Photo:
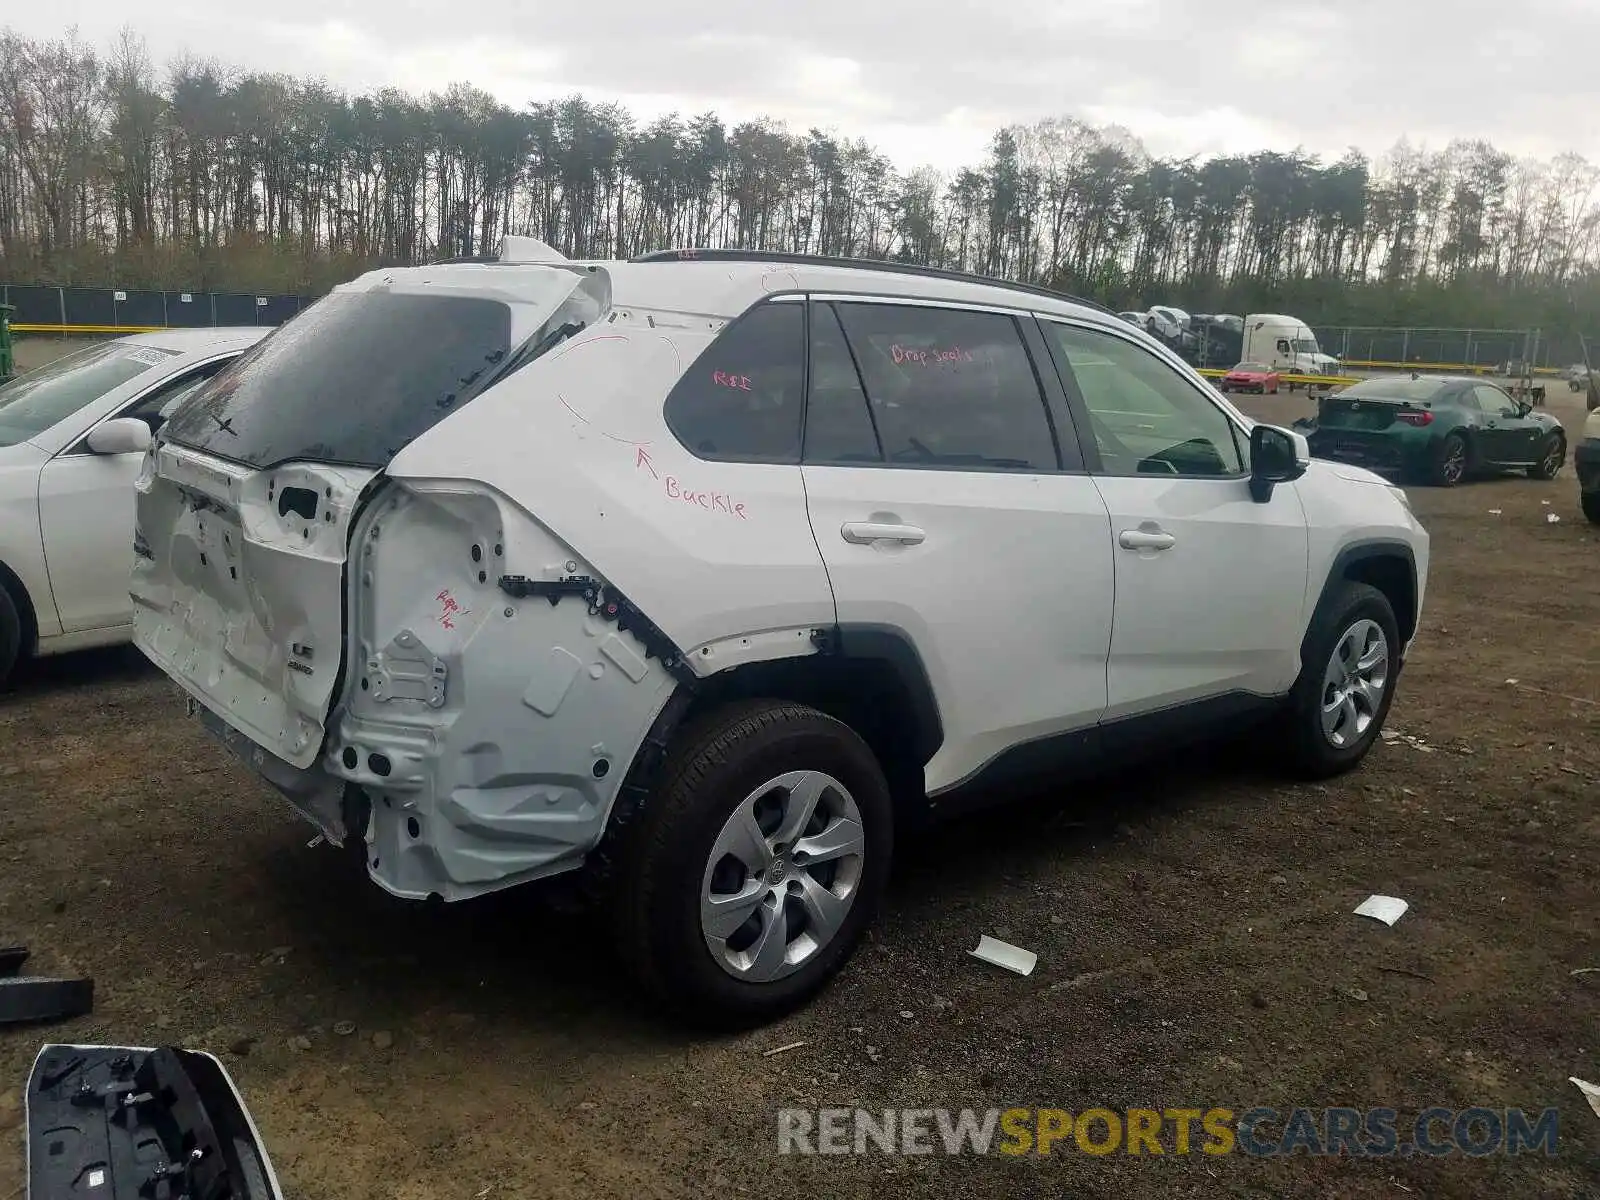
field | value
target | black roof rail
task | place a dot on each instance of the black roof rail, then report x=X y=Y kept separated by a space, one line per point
x=861 y=264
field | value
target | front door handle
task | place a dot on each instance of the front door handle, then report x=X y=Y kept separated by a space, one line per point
x=864 y=533
x=1145 y=539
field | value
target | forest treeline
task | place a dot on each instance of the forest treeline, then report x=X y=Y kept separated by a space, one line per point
x=115 y=171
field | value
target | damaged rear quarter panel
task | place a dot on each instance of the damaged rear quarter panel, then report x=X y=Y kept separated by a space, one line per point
x=709 y=551
x=490 y=733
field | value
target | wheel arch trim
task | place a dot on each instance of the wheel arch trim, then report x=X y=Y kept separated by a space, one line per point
x=1376 y=550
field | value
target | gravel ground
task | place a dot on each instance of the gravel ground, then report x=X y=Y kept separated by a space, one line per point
x=1193 y=926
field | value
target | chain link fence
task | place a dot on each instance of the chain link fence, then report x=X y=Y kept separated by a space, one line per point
x=1477 y=350
x=63 y=310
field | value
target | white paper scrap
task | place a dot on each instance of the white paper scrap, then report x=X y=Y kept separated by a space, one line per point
x=1002 y=954
x=1590 y=1093
x=1387 y=909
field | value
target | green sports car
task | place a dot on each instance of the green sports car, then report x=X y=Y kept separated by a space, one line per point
x=1436 y=428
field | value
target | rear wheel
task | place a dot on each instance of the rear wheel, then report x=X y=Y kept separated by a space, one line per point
x=1349 y=660
x=1449 y=461
x=1552 y=458
x=748 y=878
x=1591 y=505
x=10 y=635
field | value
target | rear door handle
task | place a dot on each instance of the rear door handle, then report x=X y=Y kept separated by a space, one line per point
x=864 y=533
x=1145 y=539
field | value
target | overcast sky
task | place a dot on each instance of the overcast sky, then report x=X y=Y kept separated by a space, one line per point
x=929 y=81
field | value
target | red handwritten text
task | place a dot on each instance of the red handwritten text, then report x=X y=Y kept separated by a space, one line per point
x=710 y=501
x=723 y=379
x=913 y=354
x=449 y=609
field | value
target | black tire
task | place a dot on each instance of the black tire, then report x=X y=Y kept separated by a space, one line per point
x=1552 y=458
x=1591 y=505
x=1452 y=459
x=10 y=635
x=1309 y=752
x=713 y=765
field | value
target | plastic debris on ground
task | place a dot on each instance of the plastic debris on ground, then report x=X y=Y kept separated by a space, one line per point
x=1387 y=909
x=1003 y=954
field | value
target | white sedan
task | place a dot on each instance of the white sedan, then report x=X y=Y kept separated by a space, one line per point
x=72 y=439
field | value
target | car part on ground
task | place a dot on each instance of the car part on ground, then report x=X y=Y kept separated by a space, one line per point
x=12 y=958
x=121 y=1121
x=1442 y=430
x=640 y=574
x=29 y=999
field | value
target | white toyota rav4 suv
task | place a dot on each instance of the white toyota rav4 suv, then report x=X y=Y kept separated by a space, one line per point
x=701 y=575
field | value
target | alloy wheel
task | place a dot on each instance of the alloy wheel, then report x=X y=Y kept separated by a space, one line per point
x=1552 y=460
x=1354 y=682
x=1455 y=462
x=782 y=876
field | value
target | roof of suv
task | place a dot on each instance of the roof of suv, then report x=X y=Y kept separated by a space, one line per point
x=721 y=284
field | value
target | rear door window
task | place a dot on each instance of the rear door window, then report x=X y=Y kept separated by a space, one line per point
x=950 y=387
x=838 y=424
x=741 y=400
x=351 y=380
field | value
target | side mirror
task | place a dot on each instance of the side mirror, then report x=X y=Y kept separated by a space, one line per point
x=122 y=435
x=1276 y=456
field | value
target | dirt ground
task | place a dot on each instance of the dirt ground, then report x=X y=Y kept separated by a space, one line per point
x=1194 y=931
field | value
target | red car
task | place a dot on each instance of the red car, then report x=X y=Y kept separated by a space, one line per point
x=1251 y=377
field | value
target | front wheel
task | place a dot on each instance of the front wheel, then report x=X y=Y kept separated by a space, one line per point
x=10 y=635
x=749 y=877
x=1551 y=460
x=1348 y=663
x=1449 y=461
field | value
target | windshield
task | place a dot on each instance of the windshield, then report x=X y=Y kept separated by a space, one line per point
x=350 y=380
x=34 y=402
x=1254 y=367
x=1306 y=346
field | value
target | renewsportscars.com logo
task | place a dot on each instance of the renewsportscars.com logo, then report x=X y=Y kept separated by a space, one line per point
x=1257 y=1132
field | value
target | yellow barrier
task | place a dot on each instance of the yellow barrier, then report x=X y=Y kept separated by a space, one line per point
x=115 y=330
x=1284 y=377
